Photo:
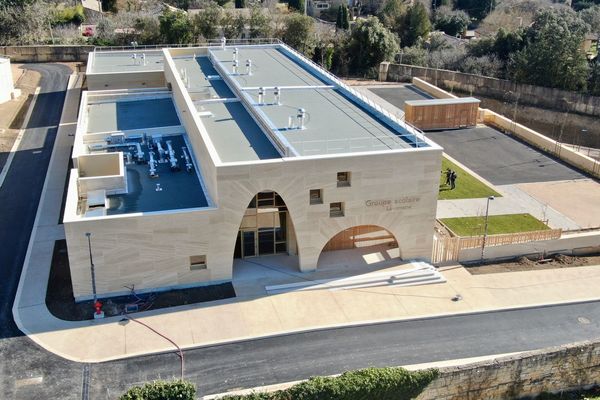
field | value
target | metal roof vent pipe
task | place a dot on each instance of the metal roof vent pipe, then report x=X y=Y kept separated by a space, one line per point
x=291 y=121
x=277 y=95
x=261 y=95
x=223 y=42
x=235 y=54
x=301 y=117
x=235 y=67
x=249 y=67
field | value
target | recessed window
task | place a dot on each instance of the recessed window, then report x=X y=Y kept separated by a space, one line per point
x=197 y=262
x=343 y=179
x=336 y=209
x=316 y=196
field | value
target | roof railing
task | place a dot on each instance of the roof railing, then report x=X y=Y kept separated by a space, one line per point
x=209 y=43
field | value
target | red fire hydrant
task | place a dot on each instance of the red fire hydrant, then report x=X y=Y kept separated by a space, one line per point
x=98 y=307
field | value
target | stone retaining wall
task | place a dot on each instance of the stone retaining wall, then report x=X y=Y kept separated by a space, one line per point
x=26 y=54
x=499 y=89
x=553 y=369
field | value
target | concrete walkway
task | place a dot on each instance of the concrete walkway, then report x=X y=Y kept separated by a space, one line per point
x=513 y=201
x=254 y=314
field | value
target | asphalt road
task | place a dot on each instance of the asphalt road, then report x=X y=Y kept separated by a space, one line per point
x=29 y=372
x=397 y=95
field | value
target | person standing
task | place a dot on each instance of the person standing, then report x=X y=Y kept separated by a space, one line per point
x=453 y=180
x=448 y=174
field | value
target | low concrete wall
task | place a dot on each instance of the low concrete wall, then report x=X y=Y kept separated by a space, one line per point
x=538 y=96
x=554 y=369
x=25 y=54
x=573 y=244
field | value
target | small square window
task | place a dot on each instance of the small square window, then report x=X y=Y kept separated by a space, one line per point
x=197 y=262
x=316 y=196
x=336 y=209
x=343 y=179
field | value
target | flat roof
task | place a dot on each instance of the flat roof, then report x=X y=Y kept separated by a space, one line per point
x=124 y=61
x=337 y=120
x=121 y=114
x=232 y=130
x=178 y=190
x=432 y=102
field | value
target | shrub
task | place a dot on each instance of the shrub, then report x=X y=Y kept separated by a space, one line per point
x=162 y=390
x=370 y=383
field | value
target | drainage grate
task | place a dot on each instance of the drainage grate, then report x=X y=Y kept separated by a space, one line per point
x=85 y=383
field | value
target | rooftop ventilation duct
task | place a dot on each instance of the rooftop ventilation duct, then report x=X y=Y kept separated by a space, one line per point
x=261 y=95
x=277 y=95
x=249 y=67
x=235 y=54
x=223 y=42
x=301 y=117
x=235 y=67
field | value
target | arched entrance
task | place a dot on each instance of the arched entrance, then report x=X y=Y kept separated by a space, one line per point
x=361 y=236
x=266 y=228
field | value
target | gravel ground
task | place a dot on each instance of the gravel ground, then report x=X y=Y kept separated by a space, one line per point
x=526 y=264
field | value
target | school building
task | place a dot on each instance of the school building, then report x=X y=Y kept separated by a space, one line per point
x=186 y=159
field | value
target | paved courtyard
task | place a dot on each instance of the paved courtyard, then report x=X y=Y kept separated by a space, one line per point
x=500 y=158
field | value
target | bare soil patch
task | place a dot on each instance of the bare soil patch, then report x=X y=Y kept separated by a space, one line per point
x=528 y=264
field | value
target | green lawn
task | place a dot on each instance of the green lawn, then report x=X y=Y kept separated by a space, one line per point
x=497 y=224
x=467 y=186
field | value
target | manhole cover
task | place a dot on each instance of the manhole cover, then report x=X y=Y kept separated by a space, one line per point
x=583 y=320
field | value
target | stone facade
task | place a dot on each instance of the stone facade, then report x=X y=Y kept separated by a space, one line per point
x=395 y=190
x=555 y=369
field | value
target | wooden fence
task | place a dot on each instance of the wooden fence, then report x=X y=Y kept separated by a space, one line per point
x=447 y=248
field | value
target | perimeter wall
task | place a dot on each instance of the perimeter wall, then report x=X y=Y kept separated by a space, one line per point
x=552 y=369
x=25 y=54
x=538 y=96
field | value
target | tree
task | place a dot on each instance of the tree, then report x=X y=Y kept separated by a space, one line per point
x=579 y=5
x=240 y=3
x=370 y=44
x=391 y=13
x=594 y=81
x=592 y=17
x=206 y=22
x=416 y=24
x=175 y=27
x=148 y=30
x=27 y=23
x=297 y=5
x=232 y=25
x=299 y=33
x=552 y=55
x=340 y=15
x=508 y=42
x=260 y=23
x=345 y=17
x=477 y=9
x=109 y=5
x=452 y=22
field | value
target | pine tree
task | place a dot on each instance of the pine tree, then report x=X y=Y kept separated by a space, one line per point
x=345 y=20
x=340 y=15
x=240 y=3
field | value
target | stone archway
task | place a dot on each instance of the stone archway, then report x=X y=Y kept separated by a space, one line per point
x=266 y=228
x=361 y=246
x=361 y=236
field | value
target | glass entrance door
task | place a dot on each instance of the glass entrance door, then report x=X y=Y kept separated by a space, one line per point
x=248 y=243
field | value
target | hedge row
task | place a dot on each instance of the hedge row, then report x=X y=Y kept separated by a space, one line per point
x=364 y=384
x=162 y=390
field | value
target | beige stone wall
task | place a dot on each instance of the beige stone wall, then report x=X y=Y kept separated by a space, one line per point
x=396 y=177
x=147 y=251
x=554 y=369
x=126 y=80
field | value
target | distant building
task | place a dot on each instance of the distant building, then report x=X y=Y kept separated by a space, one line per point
x=7 y=88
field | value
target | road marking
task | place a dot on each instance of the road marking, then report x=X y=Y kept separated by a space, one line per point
x=17 y=142
x=37 y=380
